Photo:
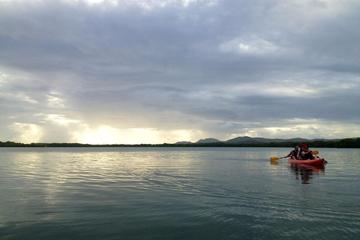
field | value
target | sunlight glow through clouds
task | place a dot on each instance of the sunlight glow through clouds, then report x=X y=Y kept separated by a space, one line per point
x=100 y=135
x=27 y=132
x=109 y=135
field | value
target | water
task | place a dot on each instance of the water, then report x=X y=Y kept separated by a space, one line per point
x=176 y=193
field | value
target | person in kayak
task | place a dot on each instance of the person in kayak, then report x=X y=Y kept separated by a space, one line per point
x=294 y=154
x=305 y=152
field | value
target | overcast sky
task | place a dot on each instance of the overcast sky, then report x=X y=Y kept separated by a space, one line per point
x=152 y=71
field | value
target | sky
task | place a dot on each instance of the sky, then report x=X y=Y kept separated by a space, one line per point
x=151 y=71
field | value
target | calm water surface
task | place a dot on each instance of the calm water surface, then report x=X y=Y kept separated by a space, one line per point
x=176 y=193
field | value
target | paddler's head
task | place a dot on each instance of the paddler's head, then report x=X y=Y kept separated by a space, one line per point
x=304 y=146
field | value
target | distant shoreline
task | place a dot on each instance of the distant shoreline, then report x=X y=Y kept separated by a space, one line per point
x=341 y=143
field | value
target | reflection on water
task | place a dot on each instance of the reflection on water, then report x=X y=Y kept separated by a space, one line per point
x=306 y=173
x=302 y=172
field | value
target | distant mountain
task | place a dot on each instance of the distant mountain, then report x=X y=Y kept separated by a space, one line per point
x=296 y=140
x=246 y=139
x=277 y=142
x=208 y=140
x=250 y=140
x=184 y=142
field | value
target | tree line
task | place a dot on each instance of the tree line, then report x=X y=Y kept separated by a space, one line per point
x=341 y=143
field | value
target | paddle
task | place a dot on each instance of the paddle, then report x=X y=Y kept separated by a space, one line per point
x=276 y=158
x=314 y=152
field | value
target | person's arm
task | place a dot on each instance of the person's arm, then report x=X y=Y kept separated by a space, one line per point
x=290 y=154
x=299 y=154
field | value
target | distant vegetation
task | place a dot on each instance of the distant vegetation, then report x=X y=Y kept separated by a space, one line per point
x=236 y=142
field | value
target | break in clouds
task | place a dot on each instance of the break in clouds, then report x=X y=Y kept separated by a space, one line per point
x=163 y=71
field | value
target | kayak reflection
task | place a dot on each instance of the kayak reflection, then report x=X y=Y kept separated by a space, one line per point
x=306 y=172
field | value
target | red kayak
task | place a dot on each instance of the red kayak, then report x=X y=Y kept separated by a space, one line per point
x=312 y=162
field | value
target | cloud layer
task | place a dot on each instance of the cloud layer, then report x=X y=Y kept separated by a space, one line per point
x=161 y=71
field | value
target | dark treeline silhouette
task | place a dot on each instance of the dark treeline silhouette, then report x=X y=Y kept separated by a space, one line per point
x=341 y=143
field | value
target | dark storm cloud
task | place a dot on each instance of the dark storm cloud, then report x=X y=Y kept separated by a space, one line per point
x=217 y=66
